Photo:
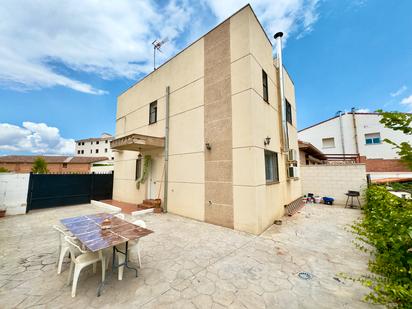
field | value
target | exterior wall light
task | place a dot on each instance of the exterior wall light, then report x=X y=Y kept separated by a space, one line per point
x=208 y=146
x=266 y=141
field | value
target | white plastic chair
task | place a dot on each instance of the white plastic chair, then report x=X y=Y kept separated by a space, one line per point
x=63 y=246
x=80 y=259
x=132 y=244
x=120 y=216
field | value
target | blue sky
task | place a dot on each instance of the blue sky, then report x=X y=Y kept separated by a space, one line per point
x=59 y=79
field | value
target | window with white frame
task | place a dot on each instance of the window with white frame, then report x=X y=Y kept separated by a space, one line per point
x=372 y=138
x=328 y=142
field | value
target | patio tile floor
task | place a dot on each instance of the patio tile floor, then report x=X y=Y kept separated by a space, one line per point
x=191 y=264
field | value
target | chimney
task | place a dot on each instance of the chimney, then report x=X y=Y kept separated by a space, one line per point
x=278 y=37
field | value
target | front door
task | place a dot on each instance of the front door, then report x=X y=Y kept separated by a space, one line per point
x=152 y=180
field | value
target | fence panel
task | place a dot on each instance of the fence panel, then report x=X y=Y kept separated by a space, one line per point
x=51 y=190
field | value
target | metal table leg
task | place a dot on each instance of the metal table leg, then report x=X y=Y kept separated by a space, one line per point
x=114 y=266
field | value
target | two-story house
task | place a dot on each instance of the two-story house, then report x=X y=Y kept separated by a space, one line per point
x=216 y=130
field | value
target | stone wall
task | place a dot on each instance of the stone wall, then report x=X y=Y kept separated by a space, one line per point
x=218 y=127
x=333 y=180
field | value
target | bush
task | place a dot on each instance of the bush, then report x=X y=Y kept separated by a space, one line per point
x=3 y=170
x=387 y=228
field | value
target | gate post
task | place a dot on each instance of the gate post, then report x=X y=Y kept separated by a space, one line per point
x=29 y=192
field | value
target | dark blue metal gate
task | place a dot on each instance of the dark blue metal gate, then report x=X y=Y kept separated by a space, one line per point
x=51 y=190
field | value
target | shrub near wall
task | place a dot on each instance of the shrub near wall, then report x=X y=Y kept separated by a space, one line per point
x=387 y=227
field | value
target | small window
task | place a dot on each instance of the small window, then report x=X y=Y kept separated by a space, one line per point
x=91 y=151
x=265 y=86
x=106 y=141
x=82 y=143
x=78 y=144
x=138 y=168
x=271 y=166
x=91 y=142
x=153 y=112
x=78 y=151
x=97 y=150
x=372 y=138
x=112 y=158
x=64 y=165
x=328 y=142
x=288 y=112
x=82 y=151
x=105 y=150
x=97 y=142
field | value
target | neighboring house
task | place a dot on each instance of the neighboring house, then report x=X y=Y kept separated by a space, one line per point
x=214 y=112
x=310 y=155
x=97 y=147
x=55 y=164
x=359 y=137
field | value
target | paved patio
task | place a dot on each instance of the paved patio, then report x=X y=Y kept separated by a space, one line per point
x=190 y=264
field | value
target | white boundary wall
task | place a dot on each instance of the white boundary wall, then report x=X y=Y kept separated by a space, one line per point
x=13 y=192
x=333 y=180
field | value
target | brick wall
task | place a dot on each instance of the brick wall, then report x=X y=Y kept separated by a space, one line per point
x=384 y=165
x=333 y=180
x=52 y=167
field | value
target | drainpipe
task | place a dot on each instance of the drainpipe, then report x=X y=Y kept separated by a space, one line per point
x=355 y=129
x=278 y=38
x=166 y=149
x=341 y=134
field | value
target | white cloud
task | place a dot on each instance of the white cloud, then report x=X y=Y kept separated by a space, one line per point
x=47 y=43
x=399 y=91
x=292 y=17
x=33 y=137
x=108 y=38
x=408 y=102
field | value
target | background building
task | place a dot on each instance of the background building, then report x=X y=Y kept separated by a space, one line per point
x=359 y=136
x=97 y=147
x=219 y=98
x=310 y=155
x=55 y=164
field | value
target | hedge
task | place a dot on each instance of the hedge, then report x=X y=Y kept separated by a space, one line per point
x=386 y=228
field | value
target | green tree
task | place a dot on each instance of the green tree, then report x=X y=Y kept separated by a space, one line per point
x=39 y=166
x=399 y=122
x=3 y=170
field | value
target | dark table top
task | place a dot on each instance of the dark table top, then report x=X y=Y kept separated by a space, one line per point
x=88 y=230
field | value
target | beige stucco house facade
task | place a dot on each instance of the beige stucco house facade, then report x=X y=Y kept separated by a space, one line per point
x=222 y=110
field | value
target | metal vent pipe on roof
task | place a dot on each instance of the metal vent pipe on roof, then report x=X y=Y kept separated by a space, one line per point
x=278 y=37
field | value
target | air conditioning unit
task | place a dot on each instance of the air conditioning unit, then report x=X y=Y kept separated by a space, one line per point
x=292 y=155
x=293 y=172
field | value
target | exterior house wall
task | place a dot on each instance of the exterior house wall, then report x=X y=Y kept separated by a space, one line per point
x=184 y=74
x=13 y=192
x=217 y=98
x=365 y=124
x=257 y=204
x=333 y=180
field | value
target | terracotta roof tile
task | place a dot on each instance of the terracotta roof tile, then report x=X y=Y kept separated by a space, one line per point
x=50 y=159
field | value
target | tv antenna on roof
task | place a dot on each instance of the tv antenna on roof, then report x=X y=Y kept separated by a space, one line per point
x=156 y=46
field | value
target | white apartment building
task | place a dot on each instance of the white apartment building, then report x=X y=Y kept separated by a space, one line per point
x=354 y=134
x=95 y=147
